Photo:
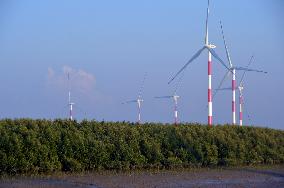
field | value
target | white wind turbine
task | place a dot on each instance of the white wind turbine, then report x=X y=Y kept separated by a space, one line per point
x=139 y=100
x=175 y=98
x=210 y=48
x=241 y=97
x=232 y=72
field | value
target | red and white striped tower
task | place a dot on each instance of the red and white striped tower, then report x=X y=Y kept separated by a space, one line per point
x=175 y=97
x=209 y=89
x=70 y=111
x=241 y=105
x=209 y=73
x=234 y=96
x=70 y=105
x=211 y=46
x=71 y=117
x=69 y=100
x=139 y=109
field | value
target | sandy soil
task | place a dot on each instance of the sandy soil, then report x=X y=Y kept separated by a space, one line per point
x=260 y=177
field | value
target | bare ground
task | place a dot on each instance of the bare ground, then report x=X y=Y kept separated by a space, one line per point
x=259 y=177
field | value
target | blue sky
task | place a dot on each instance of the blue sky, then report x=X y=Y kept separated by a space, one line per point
x=109 y=45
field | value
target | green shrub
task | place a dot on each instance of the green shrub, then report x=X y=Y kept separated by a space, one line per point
x=36 y=146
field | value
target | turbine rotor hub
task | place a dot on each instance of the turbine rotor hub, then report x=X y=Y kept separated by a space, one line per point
x=211 y=46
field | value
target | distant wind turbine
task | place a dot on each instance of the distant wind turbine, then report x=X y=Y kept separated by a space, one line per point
x=241 y=98
x=139 y=100
x=175 y=98
x=210 y=48
x=232 y=71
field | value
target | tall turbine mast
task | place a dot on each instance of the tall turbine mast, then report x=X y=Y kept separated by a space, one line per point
x=211 y=46
x=211 y=52
x=70 y=104
x=241 y=104
x=233 y=69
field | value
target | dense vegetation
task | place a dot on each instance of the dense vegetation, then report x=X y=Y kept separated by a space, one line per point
x=34 y=146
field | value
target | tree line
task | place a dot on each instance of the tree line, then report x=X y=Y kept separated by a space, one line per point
x=39 y=146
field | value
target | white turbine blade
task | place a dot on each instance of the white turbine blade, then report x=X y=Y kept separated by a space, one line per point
x=162 y=97
x=218 y=58
x=220 y=84
x=193 y=57
x=142 y=85
x=225 y=88
x=69 y=87
x=178 y=83
x=206 y=34
x=252 y=70
x=227 y=51
x=132 y=101
x=242 y=78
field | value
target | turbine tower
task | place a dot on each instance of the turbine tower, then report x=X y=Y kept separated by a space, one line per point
x=70 y=104
x=241 y=104
x=211 y=52
x=232 y=71
x=139 y=100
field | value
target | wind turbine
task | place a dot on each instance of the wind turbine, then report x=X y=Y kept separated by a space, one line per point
x=241 y=98
x=232 y=71
x=175 y=97
x=210 y=48
x=139 y=100
x=70 y=104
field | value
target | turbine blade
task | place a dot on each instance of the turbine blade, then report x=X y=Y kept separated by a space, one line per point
x=244 y=73
x=193 y=57
x=142 y=85
x=207 y=17
x=178 y=83
x=218 y=58
x=225 y=88
x=247 y=69
x=220 y=84
x=132 y=101
x=226 y=48
x=162 y=97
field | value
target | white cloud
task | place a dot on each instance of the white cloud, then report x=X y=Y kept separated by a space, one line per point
x=80 y=80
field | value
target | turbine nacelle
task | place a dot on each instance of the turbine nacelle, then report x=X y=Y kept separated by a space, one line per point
x=211 y=46
x=241 y=88
x=140 y=100
x=175 y=97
